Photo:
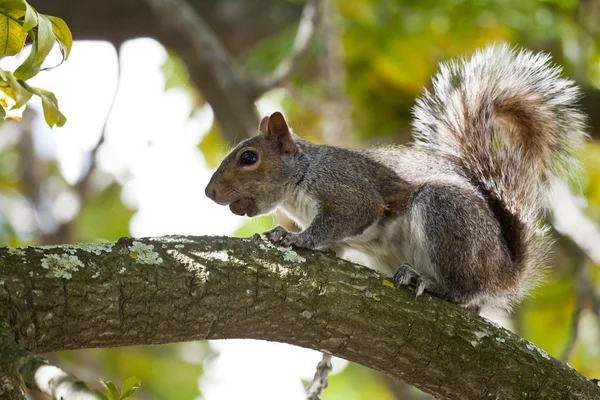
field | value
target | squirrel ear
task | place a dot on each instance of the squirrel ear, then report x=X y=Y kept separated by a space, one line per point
x=263 y=127
x=279 y=130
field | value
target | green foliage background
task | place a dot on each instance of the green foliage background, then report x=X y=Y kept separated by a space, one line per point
x=391 y=49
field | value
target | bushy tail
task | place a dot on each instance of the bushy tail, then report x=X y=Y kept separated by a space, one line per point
x=512 y=123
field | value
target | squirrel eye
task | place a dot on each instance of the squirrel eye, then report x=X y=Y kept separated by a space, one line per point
x=248 y=158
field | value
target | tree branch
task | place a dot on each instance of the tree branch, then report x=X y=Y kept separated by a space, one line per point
x=571 y=221
x=181 y=16
x=173 y=289
x=199 y=46
x=319 y=382
x=20 y=365
x=237 y=115
x=309 y=22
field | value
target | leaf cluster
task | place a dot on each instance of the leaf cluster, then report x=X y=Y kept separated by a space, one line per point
x=19 y=21
x=130 y=386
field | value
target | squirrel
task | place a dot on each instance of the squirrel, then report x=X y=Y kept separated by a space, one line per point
x=458 y=212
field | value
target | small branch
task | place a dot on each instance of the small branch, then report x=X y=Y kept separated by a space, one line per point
x=19 y=365
x=207 y=46
x=319 y=382
x=569 y=220
x=309 y=23
x=212 y=67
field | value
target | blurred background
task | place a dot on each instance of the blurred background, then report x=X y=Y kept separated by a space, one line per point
x=154 y=101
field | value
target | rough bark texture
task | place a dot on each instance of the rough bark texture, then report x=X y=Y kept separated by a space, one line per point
x=174 y=289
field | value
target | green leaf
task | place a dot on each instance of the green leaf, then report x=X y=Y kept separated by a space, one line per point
x=12 y=34
x=22 y=95
x=41 y=47
x=63 y=35
x=130 y=386
x=14 y=90
x=27 y=69
x=2 y=112
x=45 y=39
x=31 y=18
x=52 y=114
x=17 y=92
x=100 y=394
x=111 y=389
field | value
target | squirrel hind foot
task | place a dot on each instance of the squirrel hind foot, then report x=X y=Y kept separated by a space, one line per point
x=407 y=275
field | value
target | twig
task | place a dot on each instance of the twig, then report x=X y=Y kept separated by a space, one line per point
x=319 y=382
x=309 y=22
x=569 y=220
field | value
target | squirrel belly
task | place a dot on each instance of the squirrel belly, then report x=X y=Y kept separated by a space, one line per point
x=458 y=213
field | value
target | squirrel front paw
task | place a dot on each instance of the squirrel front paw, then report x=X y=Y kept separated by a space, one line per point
x=280 y=236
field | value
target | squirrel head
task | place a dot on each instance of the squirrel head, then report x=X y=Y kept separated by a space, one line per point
x=253 y=177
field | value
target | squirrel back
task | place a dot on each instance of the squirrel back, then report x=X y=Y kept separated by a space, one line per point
x=513 y=124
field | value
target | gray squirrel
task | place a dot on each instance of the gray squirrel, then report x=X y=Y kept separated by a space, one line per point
x=458 y=212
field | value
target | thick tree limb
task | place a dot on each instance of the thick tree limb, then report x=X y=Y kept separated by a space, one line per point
x=174 y=289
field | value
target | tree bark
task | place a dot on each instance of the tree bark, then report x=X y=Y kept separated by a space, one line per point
x=172 y=289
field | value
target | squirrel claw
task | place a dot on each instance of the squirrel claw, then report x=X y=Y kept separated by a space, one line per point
x=405 y=275
x=276 y=234
x=279 y=235
x=423 y=283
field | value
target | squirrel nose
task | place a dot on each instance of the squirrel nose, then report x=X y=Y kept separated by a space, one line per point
x=211 y=192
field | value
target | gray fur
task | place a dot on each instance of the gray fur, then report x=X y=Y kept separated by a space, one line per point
x=458 y=212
